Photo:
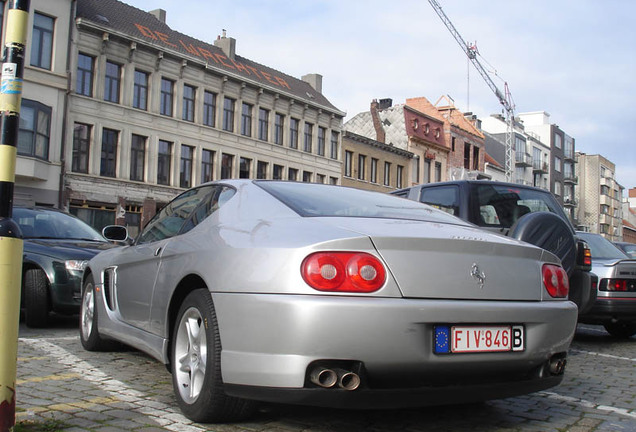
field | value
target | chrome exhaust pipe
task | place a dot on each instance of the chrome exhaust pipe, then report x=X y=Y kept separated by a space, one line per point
x=347 y=380
x=323 y=377
x=557 y=366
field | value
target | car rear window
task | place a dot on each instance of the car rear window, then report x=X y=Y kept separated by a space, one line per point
x=501 y=206
x=602 y=248
x=319 y=200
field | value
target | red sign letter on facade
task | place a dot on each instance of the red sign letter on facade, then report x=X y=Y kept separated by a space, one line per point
x=145 y=31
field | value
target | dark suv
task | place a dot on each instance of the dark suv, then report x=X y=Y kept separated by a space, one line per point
x=526 y=213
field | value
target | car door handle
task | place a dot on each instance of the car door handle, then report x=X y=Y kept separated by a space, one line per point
x=158 y=251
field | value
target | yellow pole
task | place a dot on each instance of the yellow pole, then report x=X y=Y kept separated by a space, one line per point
x=11 y=245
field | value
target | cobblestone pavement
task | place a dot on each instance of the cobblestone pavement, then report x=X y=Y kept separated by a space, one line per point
x=129 y=391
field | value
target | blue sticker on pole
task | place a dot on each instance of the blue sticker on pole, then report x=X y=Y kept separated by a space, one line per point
x=11 y=86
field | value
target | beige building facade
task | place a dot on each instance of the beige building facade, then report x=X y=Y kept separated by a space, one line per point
x=599 y=197
x=372 y=165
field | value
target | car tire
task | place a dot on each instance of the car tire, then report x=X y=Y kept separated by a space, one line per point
x=36 y=298
x=549 y=232
x=196 y=364
x=621 y=329
x=88 y=325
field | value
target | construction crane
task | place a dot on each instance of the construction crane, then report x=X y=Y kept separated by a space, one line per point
x=505 y=97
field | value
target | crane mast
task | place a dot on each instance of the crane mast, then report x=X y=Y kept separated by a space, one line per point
x=504 y=98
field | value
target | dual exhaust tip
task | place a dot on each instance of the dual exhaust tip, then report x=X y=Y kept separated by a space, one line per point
x=557 y=366
x=328 y=378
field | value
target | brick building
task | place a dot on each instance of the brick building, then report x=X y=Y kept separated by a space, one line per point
x=406 y=128
x=465 y=142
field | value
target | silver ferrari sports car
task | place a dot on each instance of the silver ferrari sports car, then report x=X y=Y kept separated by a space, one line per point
x=325 y=295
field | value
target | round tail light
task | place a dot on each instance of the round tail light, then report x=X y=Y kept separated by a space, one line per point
x=556 y=281
x=343 y=272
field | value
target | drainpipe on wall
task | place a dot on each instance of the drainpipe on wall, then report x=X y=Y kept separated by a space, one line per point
x=61 y=199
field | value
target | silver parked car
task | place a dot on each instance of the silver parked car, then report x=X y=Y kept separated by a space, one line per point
x=615 y=304
x=331 y=296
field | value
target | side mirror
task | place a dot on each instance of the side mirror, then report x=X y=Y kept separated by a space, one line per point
x=116 y=233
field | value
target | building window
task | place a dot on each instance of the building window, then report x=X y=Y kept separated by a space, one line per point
x=246 y=120
x=263 y=124
x=415 y=169
x=84 y=84
x=362 y=166
x=108 y=167
x=140 y=90
x=228 y=114
x=348 y=163
x=292 y=174
x=374 y=170
x=605 y=190
x=557 y=164
x=112 y=82
x=320 y=178
x=333 y=180
x=81 y=147
x=467 y=155
x=164 y=162
x=334 y=145
x=35 y=129
x=244 y=168
x=557 y=141
x=309 y=132
x=438 y=171
x=167 y=94
x=42 y=41
x=209 y=108
x=321 y=141
x=557 y=188
x=400 y=169
x=476 y=158
x=137 y=157
x=261 y=170
x=188 y=103
x=307 y=176
x=279 y=121
x=387 y=173
x=207 y=166
x=227 y=161
x=293 y=133
x=277 y=172
x=185 y=176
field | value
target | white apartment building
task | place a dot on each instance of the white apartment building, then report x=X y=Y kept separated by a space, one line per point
x=121 y=113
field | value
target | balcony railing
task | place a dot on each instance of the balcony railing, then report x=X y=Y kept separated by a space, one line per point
x=523 y=182
x=569 y=201
x=569 y=154
x=539 y=167
x=570 y=178
x=523 y=159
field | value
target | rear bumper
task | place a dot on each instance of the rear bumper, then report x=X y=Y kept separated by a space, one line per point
x=270 y=341
x=394 y=398
x=607 y=309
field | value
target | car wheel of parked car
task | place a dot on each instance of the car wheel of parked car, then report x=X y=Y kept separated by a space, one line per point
x=621 y=329
x=549 y=232
x=36 y=298
x=89 y=332
x=196 y=364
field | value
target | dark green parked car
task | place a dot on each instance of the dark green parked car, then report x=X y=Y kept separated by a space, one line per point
x=57 y=247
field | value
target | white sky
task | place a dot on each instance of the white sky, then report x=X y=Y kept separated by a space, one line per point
x=574 y=59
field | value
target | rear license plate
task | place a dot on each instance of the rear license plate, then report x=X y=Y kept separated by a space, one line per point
x=475 y=339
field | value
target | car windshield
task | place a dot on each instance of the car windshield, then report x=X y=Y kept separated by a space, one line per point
x=602 y=248
x=316 y=200
x=502 y=206
x=50 y=224
x=629 y=249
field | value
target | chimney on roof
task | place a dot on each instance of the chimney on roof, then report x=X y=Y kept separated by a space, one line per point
x=380 y=135
x=386 y=103
x=160 y=14
x=314 y=80
x=227 y=44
